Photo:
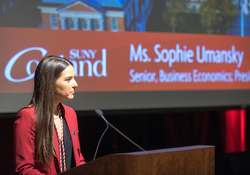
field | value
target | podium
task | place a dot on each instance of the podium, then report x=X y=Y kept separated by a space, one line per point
x=190 y=160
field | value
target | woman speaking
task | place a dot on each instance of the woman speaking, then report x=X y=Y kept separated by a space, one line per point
x=46 y=137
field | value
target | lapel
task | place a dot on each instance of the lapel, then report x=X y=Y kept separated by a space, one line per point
x=56 y=146
x=69 y=121
x=73 y=129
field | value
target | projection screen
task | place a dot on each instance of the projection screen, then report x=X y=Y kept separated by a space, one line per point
x=121 y=61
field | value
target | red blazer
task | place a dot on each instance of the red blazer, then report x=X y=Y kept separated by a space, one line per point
x=24 y=145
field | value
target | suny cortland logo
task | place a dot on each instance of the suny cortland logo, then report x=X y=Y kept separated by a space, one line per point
x=92 y=66
x=8 y=68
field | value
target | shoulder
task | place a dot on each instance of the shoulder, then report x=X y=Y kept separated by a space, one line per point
x=24 y=125
x=27 y=112
x=25 y=116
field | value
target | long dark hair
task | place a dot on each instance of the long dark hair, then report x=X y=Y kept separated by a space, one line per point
x=47 y=72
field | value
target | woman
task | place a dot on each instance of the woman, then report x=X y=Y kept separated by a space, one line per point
x=46 y=137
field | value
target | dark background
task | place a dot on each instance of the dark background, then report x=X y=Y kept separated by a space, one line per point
x=151 y=129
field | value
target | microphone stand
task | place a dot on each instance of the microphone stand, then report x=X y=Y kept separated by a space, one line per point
x=100 y=113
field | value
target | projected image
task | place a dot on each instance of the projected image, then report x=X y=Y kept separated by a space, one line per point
x=132 y=46
x=230 y=17
x=98 y=15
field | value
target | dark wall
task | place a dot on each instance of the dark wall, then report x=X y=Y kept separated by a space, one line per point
x=6 y=146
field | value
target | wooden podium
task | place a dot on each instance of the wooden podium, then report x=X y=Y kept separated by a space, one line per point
x=190 y=160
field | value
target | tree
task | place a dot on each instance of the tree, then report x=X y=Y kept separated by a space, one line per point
x=217 y=15
x=170 y=14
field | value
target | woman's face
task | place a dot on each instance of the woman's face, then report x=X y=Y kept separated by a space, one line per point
x=65 y=85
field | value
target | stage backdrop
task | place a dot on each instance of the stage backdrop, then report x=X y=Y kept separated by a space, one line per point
x=120 y=62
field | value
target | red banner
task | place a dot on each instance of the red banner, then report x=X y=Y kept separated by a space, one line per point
x=127 y=61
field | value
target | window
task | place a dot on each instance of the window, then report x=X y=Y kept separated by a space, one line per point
x=54 y=21
x=113 y=24
x=96 y=24
x=71 y=23
x=84 y=24
x=195 y=8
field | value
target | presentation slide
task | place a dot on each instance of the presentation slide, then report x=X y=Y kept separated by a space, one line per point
x=123 y=58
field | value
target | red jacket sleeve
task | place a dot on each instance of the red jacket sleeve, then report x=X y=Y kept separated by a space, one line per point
x=24 y=143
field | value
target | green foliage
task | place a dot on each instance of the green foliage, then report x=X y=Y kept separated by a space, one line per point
x=217 y=15
x=170 y=14
x=214 y=17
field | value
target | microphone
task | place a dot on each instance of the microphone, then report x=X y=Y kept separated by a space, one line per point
x=100 y=113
